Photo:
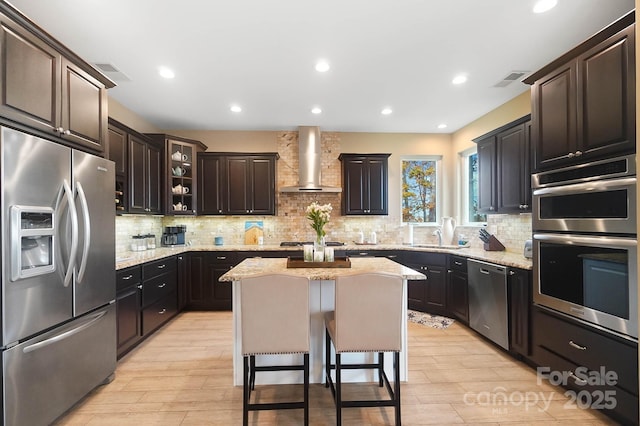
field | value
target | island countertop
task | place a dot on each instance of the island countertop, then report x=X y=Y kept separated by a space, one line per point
x=259 y=265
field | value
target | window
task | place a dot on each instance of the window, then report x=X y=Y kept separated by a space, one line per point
x=420 y=189
x=470 y=188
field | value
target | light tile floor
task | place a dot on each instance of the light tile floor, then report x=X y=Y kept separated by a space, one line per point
x=182 y=375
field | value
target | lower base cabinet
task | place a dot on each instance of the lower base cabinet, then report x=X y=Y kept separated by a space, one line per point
x=458 y=288
x=428 y=295
x=599 y=369
x=205 y=292
x=146 y=298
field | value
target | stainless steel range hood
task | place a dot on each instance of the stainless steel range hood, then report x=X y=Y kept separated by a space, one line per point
x=310 y=168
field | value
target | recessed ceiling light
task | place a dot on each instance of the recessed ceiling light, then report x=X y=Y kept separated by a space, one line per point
x=322 y=66
x=459 y=79
x=386 y=111
x=235 y=108
x=442 y=126
x=316 y=110
x=543 y=5
x=166 y=72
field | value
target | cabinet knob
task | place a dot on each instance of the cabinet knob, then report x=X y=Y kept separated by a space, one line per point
x=525 y=206
x=220 y=211
x=512 y=273
x=139 y=286
x=571 y=155
x=162 y=311
x=578 y=153
x=67 y=132
x=58 y=129
x=491 y=208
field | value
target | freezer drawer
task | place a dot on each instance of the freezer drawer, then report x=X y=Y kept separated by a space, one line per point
x=43 y=377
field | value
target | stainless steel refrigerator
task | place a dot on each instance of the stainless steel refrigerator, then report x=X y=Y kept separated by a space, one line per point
x=58 y=276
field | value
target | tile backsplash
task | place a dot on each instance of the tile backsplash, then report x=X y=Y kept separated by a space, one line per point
x=290 y=223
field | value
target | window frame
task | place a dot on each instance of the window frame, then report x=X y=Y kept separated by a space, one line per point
x=438 y=175
x=465 y=189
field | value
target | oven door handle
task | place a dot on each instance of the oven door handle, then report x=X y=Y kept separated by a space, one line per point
x=597 y=185
x=598 y=241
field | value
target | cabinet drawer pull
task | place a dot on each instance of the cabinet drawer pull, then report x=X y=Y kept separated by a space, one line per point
x=455 y=262
x=221 y=257
x=128 y=277
x=577 y=379
x=162 y=266
x=162 y=285
x=392 y=256
x=162 y=311
x=575 y=345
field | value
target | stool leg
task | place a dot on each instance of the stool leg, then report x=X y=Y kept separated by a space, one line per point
x=327 y=357
x=306 y=389
x=338 y=390
x=245 y=391
x=396 y=384
x=380 y=368
x=252 y=370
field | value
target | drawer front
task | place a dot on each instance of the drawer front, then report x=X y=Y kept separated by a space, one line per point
x=458 y=263
x=159 y=313
x=626 y=404
x=158 y=267
x=158 y=287
x=128 y=277
x=587 y=348
x=425 y=258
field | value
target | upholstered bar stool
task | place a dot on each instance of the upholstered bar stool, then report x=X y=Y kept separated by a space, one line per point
x=274 y=320
x=367 y=318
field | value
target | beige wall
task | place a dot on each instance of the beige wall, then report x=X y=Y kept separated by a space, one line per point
x=129 y=118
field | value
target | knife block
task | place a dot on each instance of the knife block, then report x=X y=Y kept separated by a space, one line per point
x=493 y=245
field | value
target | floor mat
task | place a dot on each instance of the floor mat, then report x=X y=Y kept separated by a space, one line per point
x=434 y=321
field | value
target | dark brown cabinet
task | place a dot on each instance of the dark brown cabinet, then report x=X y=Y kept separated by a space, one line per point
x=458 y=288
x=561 y=346
x=428 y=295
x=128 y=308
x=364 y=184
x=159 y=293
x=519 y=287
x=583 y=104
x=138 y=170
x=145 y=176
x=238 y=184
x=504 y=169
x=180 y=189
x=41 y=88
x=205 y=291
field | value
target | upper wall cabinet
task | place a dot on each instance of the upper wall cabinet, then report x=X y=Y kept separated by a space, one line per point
x=139 y=172
x=583 y=104
x=504 y=168
x=180 y=188
x=48 y=88
x=237 y=183
x=365 y=184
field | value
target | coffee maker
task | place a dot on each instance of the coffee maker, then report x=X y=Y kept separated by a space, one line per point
x=174 y=235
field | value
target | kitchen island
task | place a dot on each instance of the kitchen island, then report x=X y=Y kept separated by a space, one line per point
x=321 y=300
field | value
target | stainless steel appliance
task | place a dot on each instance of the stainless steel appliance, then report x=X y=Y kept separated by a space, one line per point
x=174 y=235
x=585 y=243
x=58 y=276
x=488 y=309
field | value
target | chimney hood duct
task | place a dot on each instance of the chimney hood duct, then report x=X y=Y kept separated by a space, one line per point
x=310 y=163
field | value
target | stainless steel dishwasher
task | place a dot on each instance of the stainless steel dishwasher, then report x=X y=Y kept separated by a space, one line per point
x=488 y=312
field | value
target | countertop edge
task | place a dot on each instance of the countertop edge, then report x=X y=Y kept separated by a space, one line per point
x=510 y=259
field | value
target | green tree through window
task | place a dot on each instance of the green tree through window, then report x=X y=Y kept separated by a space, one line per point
x=419 y=191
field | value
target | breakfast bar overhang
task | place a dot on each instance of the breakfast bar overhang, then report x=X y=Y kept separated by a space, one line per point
x=321 y=300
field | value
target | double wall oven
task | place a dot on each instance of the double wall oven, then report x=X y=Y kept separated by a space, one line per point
x=585 y=243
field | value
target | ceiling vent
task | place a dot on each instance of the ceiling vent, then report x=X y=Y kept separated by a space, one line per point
x=112 y=72
x=513 y=76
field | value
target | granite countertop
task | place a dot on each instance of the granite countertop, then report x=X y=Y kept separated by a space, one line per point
x=261 y=265
x=516 y=260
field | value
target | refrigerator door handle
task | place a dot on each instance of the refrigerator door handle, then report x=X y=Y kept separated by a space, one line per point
x=64 y=335
x=73 y=214
x=87 y=231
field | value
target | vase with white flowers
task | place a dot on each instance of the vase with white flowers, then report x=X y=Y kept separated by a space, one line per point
x=319 y=216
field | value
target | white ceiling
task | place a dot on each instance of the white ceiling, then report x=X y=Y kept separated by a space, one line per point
x=261 y=54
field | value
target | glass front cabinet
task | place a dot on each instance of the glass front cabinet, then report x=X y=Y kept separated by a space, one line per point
x=181 y=184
